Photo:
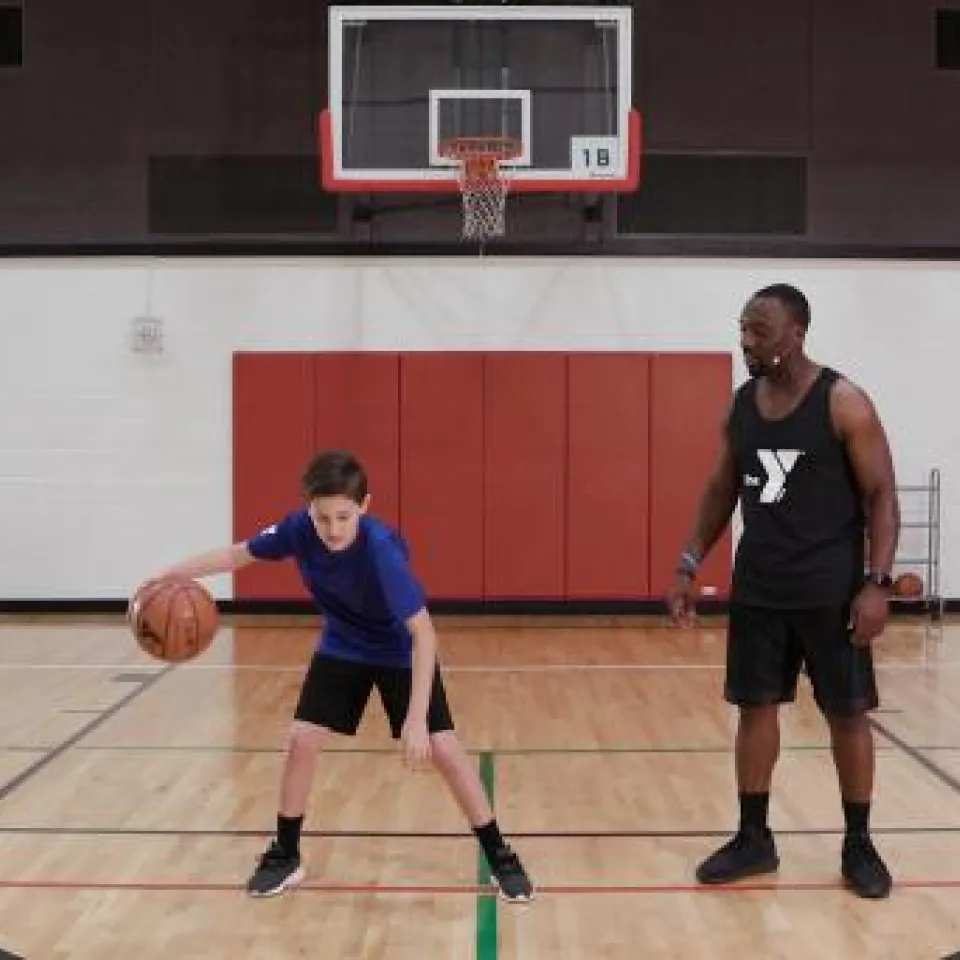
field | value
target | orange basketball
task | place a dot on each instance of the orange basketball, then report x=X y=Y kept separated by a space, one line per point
x=173 y=619
x=908 y=585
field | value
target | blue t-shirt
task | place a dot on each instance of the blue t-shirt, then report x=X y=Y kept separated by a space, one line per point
x=366 y=592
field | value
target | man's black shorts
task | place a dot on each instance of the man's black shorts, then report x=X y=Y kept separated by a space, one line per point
x=335 y=694
x=767 y=648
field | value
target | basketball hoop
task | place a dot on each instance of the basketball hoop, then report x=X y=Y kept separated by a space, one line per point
x=482 y=183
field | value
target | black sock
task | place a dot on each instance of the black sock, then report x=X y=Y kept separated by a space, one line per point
x=857 y=816
x=288 y=834
x=490 y=839
x=753 y=810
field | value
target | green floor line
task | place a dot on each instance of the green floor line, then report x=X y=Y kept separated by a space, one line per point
x=487 y=900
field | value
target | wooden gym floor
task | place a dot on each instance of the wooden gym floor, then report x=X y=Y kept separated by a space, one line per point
x=136 y=798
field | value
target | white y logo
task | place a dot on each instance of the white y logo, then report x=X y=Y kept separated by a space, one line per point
x=777 y=464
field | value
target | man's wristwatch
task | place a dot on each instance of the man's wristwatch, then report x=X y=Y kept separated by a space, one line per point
x=687 y=565
x=882 y=580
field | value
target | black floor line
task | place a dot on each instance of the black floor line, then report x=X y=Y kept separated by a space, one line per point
x=915 y=754
x=54 y=752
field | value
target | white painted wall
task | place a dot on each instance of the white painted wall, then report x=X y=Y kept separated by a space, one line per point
x=114 y=463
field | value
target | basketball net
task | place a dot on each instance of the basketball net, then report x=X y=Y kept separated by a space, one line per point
x=483 y=186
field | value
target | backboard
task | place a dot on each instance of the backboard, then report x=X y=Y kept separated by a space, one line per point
x=406 y=79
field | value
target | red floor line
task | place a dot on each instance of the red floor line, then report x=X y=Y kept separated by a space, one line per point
x=466 y=890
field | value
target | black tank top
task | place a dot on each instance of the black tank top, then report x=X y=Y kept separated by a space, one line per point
x=803 y=523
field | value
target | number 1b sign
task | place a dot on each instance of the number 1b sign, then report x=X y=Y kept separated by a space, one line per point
x=595 y=156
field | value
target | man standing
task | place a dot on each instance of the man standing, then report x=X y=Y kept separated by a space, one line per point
x=805 y=454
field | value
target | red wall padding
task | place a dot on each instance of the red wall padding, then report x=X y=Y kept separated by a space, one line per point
x=689 y=399
x=512 y=475
x=357 y=407
x=607 y=475
x=273 y=437
x=525 y=475
x=441 y=470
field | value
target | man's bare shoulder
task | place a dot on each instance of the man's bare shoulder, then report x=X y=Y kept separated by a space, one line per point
x=851 y=406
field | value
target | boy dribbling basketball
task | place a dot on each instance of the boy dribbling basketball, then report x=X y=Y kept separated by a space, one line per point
x=377 y=633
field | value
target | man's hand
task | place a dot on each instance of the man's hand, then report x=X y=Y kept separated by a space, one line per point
x=857 y=422
x=682 y=600
x=717 y=503
x=416 y=743
x=868 y=614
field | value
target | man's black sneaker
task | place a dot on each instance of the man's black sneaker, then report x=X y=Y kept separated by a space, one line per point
x=276 y=871
x=863 y=869
x=749 y=853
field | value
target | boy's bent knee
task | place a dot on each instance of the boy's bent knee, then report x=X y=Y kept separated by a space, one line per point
x=444 y=744
x=305 y=738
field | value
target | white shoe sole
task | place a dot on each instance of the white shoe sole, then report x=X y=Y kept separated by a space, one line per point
x=288 y=883
x=506 y=899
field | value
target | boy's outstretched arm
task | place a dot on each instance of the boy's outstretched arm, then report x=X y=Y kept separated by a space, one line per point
x=416 y=738
x=221 y=560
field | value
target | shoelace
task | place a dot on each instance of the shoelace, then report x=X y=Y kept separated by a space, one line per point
x=508 y=862
x=273 y=855
x=863 y=846
x=739 y=842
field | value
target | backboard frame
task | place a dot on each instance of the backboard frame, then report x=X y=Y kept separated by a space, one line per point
x=441 y=177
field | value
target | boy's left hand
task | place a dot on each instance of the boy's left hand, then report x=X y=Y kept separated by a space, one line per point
x=416 y=743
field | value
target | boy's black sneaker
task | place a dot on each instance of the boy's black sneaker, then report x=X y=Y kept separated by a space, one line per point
x=508 y=874
x=276 y=871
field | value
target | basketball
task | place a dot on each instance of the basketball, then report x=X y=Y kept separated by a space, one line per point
x=173 y=619
x=908 y=585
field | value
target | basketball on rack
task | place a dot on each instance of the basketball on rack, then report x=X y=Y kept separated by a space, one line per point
x=173 y=619
x=908 y=585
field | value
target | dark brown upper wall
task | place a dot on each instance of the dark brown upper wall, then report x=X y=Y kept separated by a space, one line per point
x=73 y=122
x=236 y=76
x=137 y=119
x=885 y=152
x=731 y=75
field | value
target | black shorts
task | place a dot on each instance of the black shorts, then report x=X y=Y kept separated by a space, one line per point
x=767 y=648
x=335 y=693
